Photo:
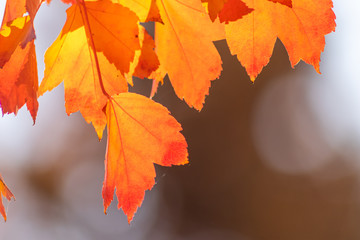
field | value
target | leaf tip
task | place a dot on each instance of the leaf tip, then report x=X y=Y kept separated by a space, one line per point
x=130 y=218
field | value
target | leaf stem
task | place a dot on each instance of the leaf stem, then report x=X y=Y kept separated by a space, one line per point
x=89 y=34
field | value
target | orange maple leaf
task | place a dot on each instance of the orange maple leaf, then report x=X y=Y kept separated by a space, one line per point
x=18 y=66
x=191 y=64
x=301 y=28
x=97 y=35
x=4 y=191
x=140 y=132
x=19 y=81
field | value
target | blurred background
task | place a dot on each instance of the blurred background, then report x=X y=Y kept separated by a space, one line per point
x=274 y=160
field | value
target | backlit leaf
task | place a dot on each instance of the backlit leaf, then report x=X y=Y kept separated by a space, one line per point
x=301 y=29
x=18 y=67
x=92 y=64
x=140 y=132
x=19 y=81
x=190 y=63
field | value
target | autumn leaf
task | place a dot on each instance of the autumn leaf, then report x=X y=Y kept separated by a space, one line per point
x=300 y=28
x=191 y=64
x=18 y=66
x=19 y=81
x=4 y=191
x=140 y=132
x=91 y=54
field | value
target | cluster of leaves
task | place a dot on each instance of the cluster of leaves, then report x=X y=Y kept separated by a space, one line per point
x=102 y=46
